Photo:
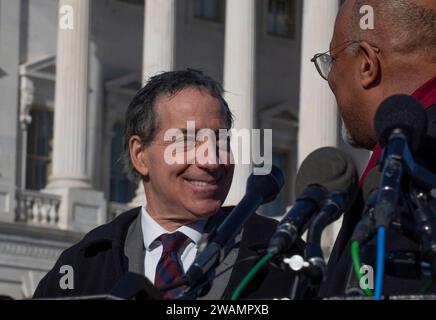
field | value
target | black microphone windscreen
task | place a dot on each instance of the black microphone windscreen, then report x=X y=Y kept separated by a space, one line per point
x=403 y=112
x=372 y=182
x=330 y=168
x=268 y=186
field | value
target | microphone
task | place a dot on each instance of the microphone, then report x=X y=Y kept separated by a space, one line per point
x=403 y=114
x=400 y=124
x=370 y=187
x=338 y=202
x=323 y=171
x=365 y=228
x=425 y=219
x=261 y=189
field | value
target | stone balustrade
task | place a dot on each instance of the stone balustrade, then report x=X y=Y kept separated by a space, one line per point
x=37 y=208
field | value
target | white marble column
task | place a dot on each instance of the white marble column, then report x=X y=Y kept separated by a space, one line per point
x=239 y=78
x=318 y=125
x=158 y=52
x=159 y=37
x=71 y=94
x=95 y=110
x=82 y=208
x=10 y=26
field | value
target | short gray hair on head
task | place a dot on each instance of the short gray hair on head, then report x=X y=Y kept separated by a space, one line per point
x=405 y=26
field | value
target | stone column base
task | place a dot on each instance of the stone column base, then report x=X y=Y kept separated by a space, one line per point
x=81 y=210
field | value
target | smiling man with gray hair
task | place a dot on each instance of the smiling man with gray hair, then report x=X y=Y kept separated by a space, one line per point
x=161 y=239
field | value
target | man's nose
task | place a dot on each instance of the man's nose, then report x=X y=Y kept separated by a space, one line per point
x=209 y=166
x=207 y=158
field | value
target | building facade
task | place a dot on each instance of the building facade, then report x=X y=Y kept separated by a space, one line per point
x=69 y=68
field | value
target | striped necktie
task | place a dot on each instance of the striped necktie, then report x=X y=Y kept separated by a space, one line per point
x=169 y=268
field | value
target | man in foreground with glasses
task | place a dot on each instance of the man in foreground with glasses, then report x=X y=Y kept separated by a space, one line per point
x=364 y=67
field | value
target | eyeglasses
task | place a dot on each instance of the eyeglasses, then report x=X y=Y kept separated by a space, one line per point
x=324 y=61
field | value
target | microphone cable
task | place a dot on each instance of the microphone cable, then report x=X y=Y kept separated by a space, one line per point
x=380 y=262
x=427 y=286
x=357 y=265
x=241 y=286
x=206 y=282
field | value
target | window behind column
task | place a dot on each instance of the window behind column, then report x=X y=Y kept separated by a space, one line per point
x=39 y=148
x=212 y=10
x=282 y=20
x=121 y=189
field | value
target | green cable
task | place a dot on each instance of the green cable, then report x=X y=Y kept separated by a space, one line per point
x=427 y=286
x=355 y=255
x=249 y=276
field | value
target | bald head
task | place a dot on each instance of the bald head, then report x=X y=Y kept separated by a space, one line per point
x=398 y=55
x=407 y=27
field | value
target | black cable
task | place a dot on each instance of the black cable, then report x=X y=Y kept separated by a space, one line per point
x=206 y=282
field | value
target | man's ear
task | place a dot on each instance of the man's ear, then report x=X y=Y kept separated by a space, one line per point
x=138 y=155
x=370 y=69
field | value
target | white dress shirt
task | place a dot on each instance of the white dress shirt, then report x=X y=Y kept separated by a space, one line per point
x=151 y=230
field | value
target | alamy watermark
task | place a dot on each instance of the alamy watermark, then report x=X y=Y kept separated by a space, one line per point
x=66 y=282
x=223 y=146
x=367 y=279
x=367 y=20
x=66 y=17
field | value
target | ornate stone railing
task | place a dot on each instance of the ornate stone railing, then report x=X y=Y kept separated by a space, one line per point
x=37 y=208
x=42 y=209
x=115 y=208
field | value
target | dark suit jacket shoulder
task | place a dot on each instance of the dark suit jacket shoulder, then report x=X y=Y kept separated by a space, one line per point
x=99 y=261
